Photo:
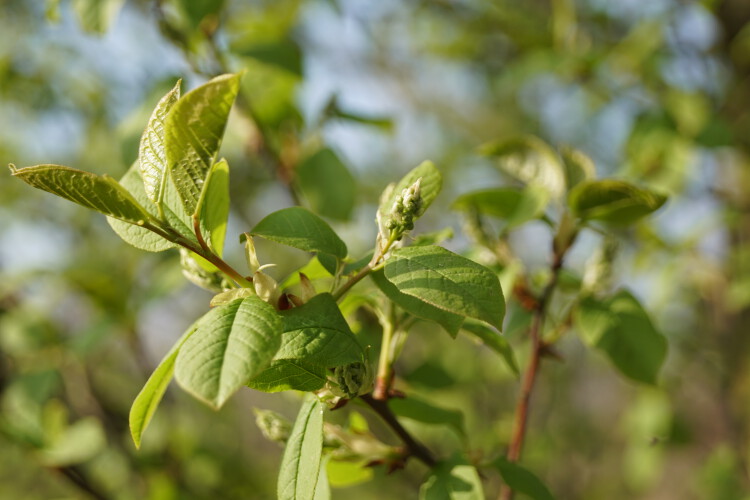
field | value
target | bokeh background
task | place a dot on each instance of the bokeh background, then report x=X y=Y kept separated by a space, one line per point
x=654 y=91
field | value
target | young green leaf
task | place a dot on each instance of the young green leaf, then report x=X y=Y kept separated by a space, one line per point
x=213 y=206
x=98 y=192
x=232 y=344
x=578 y=167
x=300 y=464
x=516 y=206
x=494 y=340
x=430 y=186
x=449 y=321
x=531 y=161
x=148 y=399
x=317 y=333
x=299 y=228
x=622 y=329
x=447 y=281
x=193 y=132
x=521 y=480
x=290 y=375
x=614 y=202
x=230 y=295
x=152 y=156
x=427 y=413
x=135 y=235
x=452 y=480
x=327 y=185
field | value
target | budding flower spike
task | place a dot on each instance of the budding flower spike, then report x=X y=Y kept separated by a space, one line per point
x=407 y=208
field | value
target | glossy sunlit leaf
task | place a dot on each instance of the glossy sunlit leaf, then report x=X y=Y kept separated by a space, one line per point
x=449 y=321
x=290 y=375
x=622 y=329
x=521 y=480
x=300 y=465
x=494 y=340
x=98 y=192
x=531 y=161
x=327 y=185
x=193 y=133
x=152 y=155
x=430 y=186
x=316 y=332
x=516 y=206
x=231 y=345
x=299 y=228
x=447 y=281
x=614 y=202
x=148 y=399
x=138 y=236
x=213 y=207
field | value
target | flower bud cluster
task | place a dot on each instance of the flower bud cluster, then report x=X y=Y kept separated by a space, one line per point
x=407 y=207
x=352 y=380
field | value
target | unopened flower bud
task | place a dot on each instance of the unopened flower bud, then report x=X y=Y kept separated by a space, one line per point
x=272 y=425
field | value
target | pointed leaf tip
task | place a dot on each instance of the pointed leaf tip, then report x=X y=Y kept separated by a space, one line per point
x=12 y=168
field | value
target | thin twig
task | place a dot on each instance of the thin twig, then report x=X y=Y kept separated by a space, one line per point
x=414 y=448
x=522 y=408
x=76 y=476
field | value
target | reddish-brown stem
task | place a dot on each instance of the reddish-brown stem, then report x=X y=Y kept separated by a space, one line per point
x=529 y=378
x=413 y=447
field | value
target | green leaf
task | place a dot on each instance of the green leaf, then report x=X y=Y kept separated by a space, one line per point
x=97 y=192
x=494 y=340
x=316 y=332
x=426 y=413
x=78 y=443
x=449 y=321
x=290 y=375
x=300 y=465
x=342 y=474
x=284 y=53
x=452 y=480
x=299 y=228
x=193 y=133
x=622 y=329
x=230 y=295
x=327 y=185
x=578 y=167
x=430 y=186
x=522 y=480
x=135 y=235
x=152 y=156
x=614 y=202
x=531 y=161
x=96 y=16
x=213 y=207
x=516 y=206
x=232 y=344
x=148 y=399
x=447 y=281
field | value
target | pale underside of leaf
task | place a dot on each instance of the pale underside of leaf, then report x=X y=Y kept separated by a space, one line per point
x=300 y=464
x=100 y=193
x=152 y=153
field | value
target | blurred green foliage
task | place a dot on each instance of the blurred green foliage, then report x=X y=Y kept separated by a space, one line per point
x=655 y=92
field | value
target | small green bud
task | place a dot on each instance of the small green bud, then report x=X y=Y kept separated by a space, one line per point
x=273 y=426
